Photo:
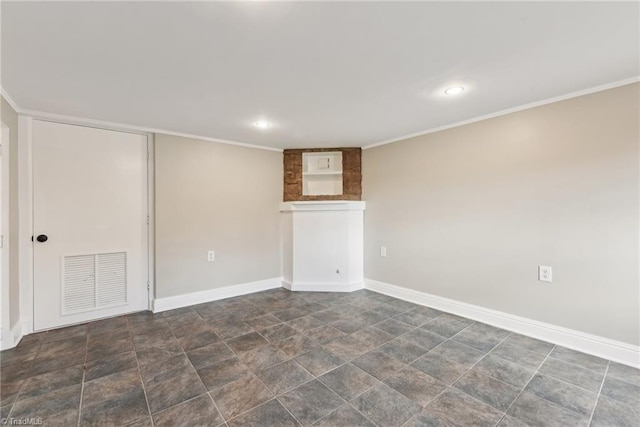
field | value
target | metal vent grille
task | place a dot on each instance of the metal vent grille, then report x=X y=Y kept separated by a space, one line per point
x=94 y=281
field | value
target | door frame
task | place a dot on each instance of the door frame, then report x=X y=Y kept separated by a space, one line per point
x=25 y=191
x=5 y=309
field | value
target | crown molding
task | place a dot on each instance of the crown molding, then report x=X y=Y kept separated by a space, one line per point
x=132 y=128
x=62 y=118
x=9 y=100
x=594 y=89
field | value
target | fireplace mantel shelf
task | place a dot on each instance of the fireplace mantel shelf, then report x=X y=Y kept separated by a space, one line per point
x=326 y=205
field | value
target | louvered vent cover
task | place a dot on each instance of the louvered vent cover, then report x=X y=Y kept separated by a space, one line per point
x=94 y=281
x=79 y=289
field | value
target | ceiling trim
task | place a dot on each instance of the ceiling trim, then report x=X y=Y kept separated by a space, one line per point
x=61 y=118
x=126 y=127
x=509 y=111
x=9 y=100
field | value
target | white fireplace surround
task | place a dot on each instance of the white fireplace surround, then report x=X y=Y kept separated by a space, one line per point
x=323 y=245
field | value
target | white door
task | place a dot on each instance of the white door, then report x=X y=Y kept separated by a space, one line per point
x=89 y=223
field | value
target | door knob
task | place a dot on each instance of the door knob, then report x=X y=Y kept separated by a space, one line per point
x=42 y=238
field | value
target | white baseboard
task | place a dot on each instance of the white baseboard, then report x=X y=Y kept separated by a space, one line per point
x=606 y=348
x=27 y=326
x=323 y=287
x=15 y=335
x=169 y=303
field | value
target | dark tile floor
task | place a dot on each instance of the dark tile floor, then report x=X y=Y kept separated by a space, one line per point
x=327 y=359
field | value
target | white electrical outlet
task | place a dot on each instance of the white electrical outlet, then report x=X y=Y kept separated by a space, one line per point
x=383 y=251
x=544 y=273
x=211 y=256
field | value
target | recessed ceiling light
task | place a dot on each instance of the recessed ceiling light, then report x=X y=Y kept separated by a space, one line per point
x=262 y=124
x=454 y=90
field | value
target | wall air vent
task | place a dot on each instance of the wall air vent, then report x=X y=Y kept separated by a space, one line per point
x=94 y=281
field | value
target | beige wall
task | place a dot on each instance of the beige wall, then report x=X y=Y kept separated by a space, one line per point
x=10 y=119
x=469 y=213
x=218 y=197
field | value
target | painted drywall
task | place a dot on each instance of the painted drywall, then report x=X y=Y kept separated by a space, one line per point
x=219 y=197
x=469 y=213
x=10 y=119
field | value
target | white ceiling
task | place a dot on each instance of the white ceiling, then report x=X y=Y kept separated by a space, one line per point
x=326 y=74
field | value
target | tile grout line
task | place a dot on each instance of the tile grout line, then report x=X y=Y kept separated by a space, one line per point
x=577 y=366
x=377 y=348
x=381 y=381
x=447 y=386
x=317 y=378
x=251 y=370
x=336 y=304
x=565 y=382
x=348 y=404
x=206 y=390
x=144 y=389
x=532 y=376
x=595 y=405
x=527 y=384
x=450 y=386
x=378 y=382
x=561 y=380
x=84 y=375
x=275 y=396
x=314 y=377
x=621 y=379
x=13 y=405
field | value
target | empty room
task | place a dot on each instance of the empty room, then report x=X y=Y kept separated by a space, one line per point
x=330 y=213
